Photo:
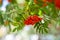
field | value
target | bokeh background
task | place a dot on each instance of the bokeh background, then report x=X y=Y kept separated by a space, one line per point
x=27 y=32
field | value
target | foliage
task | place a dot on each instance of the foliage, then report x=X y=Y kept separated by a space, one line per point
x=16 y=14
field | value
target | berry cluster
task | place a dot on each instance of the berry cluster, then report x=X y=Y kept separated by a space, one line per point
x=32 y=20
x=57 y=3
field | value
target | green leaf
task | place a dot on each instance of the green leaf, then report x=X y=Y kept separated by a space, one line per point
x=1 y=19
